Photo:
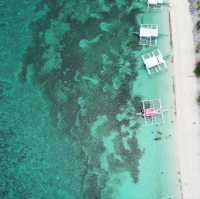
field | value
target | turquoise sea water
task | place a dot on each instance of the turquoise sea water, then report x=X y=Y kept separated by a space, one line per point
x=70 y=83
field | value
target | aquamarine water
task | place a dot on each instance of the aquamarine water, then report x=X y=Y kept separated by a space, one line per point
x=70 y=83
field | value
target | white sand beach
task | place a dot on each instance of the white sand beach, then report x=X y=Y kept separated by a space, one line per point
x=187 y=124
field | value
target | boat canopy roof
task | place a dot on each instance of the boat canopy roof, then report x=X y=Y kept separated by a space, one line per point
x=148 y=112
x=149 y=30
x=151 y=62
x=155 y=2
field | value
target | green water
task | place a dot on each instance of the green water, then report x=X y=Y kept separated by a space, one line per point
x=70 y=81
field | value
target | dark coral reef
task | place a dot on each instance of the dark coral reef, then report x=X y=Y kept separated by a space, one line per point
x=81 y=57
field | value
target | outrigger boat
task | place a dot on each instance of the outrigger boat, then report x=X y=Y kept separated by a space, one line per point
x=152 y=112
x=154 y=61
x=148 y=34
x=155 y=3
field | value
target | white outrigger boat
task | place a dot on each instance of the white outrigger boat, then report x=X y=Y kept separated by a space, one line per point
x=148 y=34
x=154 y=61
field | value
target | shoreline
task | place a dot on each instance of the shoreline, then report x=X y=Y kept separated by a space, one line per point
x=186 y=114
x=160 y=154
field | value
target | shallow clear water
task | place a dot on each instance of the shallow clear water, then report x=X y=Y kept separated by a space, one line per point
x=70 y=81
